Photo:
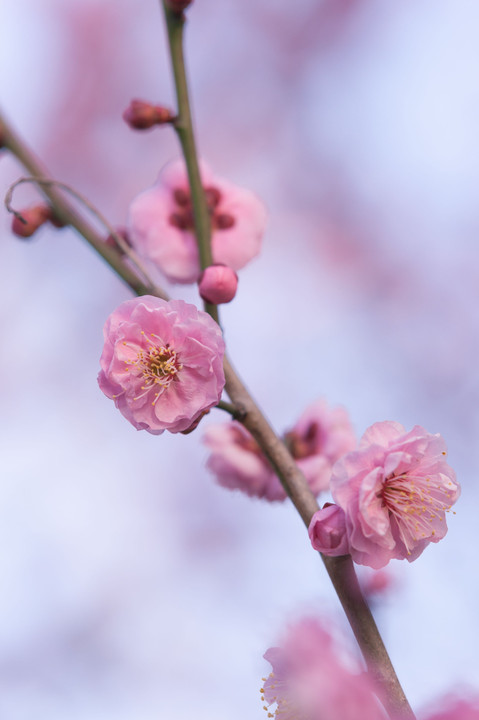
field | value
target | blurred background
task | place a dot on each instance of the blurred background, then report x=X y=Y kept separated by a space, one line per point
x=130 y=584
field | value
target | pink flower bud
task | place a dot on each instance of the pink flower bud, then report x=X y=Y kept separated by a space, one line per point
x=327 y=531
x=177 y=6
x=218 y=284
x=35 y=217
x=141 y=115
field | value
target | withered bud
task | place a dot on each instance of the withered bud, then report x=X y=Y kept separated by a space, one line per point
x=141 y=115
x=55 y=220
x=34 y=218
x=195 y=424
x=177 y=6
x=111 y=242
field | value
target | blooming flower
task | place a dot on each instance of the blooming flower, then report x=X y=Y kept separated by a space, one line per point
x=161 y=363
x=309 y=682
x=318 y=439
x=162 y=229
x=394 y=491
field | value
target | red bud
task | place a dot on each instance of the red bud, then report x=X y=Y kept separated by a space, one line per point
x=34 y=218
x=141 y=115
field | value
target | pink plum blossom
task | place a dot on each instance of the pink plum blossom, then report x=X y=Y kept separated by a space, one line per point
x=309 y=681
x=162 y=363
x=394 y=490
x=161 y=223
x=318 y=439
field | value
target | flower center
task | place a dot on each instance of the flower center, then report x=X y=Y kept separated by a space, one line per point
x=182 y=217
x=418 y=503
x=157 y=364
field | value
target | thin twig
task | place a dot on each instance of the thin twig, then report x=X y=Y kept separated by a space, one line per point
x=236 y=412
x=68 y=215
x=121 y=242
x=184 y=129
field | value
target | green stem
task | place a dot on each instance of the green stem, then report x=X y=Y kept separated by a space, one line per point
x=340 y=570
x=183 y=125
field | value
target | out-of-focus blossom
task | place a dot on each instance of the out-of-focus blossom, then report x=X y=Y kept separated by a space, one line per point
x=376 y=585
x=452 y=708
x=162 y=363
x=318 y=439
x=218 y=284
x=238 y=463
x=309 y=681
x=161 y=223
x=327 y=531
x=34 y=217
x=141 y=115
x=395 y=491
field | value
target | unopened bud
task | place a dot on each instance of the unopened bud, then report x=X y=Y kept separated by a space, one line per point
x=218 y=284
x=327 y=531
x=33 y=217
x=177 y=6
x=141 y=115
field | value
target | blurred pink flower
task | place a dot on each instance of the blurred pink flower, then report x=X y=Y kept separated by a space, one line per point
x=395 y=491
x=162 y=363
x=308 y=680
x=318 y=439
x=456 y=709
x=162 y=229
x=376 y=585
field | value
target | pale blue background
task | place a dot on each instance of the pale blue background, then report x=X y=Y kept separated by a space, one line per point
x=131 y=586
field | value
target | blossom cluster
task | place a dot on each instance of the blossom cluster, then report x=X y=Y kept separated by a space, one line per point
x=321 y=436
x=391 y=496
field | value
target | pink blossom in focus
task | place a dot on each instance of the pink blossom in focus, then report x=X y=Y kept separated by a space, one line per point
x=162 y=363
x=318 y=439
x=218 y=284
x=395 y=491
x=327 y=531
x=308 y=680
x=162 y=229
